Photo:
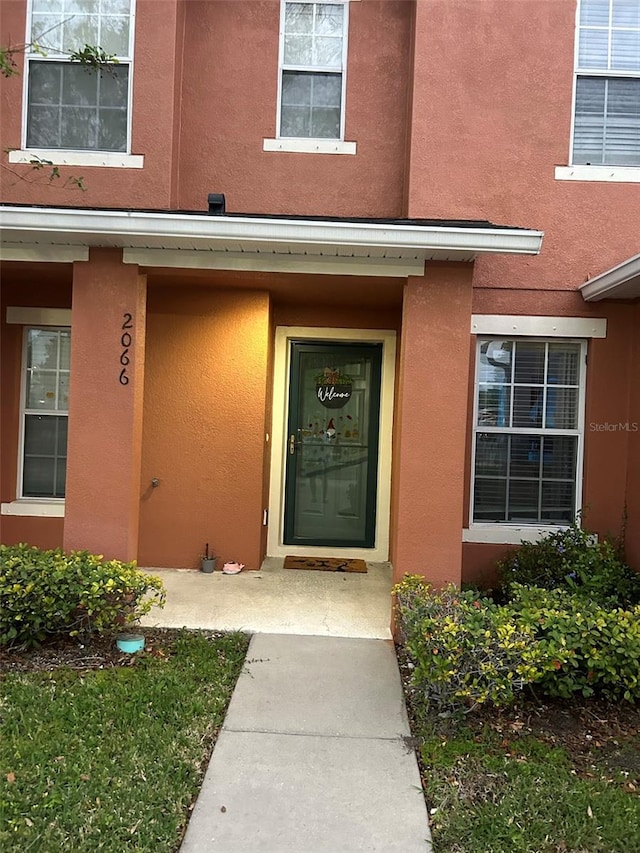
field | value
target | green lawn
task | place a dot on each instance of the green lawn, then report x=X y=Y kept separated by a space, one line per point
x=497 y=787
x=111 y=759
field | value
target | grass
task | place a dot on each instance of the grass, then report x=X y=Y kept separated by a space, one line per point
x=112 y=759
x=495 y=787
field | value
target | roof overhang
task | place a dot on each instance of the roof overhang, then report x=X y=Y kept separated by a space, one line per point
x=201 y=241
x=619 y=282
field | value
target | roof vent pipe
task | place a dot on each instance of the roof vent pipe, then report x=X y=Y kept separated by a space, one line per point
x=216 y=204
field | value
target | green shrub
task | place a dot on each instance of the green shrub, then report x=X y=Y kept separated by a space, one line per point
x=592 y=649
x=46 y=593
x=572 y=559
x=466 y=649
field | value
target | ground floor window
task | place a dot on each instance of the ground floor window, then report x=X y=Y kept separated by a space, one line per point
x=45 y=412
x=528 y=430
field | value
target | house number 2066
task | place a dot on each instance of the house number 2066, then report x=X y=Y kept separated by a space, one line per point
x=125 y=342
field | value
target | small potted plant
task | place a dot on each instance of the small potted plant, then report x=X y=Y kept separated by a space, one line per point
x=333 y=388
x=207 y=561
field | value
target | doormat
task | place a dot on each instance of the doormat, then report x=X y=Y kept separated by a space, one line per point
x=329 y=564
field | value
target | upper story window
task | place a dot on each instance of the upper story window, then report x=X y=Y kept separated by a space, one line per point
x=313 y=53
x=69 y=105
x=45 y=413
x=607 y=98
x=528 y=431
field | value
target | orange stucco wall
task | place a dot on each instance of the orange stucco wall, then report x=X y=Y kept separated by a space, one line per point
x=204 y=426
x=432 y=419
x=156 y=84
x=205 y=92
x=105 y=406
x=345 y=316
x=226 y=116
x=479 y=563
x=633 y=470
x=610 y=378
x=487 y=148
x=206 y=413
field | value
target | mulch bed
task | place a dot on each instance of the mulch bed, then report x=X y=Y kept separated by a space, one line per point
x=599 y=737
x=94 y=653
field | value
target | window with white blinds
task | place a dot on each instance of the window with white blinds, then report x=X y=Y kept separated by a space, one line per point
x=607 y=98
x=528 y=431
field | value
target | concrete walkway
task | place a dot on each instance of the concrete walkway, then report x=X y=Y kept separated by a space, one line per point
x=311 y=757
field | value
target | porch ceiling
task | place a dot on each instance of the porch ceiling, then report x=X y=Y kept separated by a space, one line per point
x=619 y=282
x=271 y=244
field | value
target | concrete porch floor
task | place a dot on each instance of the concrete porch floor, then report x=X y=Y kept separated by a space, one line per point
x=275 y=600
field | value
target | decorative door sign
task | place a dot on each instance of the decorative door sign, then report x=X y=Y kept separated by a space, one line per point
x=333 y=388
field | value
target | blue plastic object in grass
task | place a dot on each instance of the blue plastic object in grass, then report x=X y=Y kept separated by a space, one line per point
x=130 y=643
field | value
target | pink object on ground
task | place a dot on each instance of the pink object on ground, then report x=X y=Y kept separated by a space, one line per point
x=232 y=568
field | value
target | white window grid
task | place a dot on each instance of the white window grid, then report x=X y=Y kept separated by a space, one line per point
x=483 y=429
x=25 y=410
x=319 y=69
x=592 y=71
x=53 y=55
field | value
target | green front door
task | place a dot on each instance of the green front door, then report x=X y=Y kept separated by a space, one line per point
x=332 y=446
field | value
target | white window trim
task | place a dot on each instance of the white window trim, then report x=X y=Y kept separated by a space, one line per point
x=74 y=158
x=504 y=532
x=22 y=499
x=607 y=174
x=67 y=157
x=29 y=316
x=517 y=325
x=507 y=534
x=60 y=317
x=597 y=172
x=49 y=508
x=310 y=145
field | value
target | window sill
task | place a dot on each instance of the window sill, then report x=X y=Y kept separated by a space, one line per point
x=508 y=534
x=109 y=159
x=609 y=174
x=34 y=508
x=309 y=146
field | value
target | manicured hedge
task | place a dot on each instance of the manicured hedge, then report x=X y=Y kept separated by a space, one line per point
x=47 y=593
x=467 y=650
x=573 y=559
x=593 y=649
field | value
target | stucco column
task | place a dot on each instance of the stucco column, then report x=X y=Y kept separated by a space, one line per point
x=431 y=424
x=633 y=437
x=105 y=406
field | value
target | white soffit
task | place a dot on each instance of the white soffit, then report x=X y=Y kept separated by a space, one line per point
x=296 y=243
x=42 y=252
x=272 y=262
x=619 y=282
x=38 y=316
x=514 y=325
